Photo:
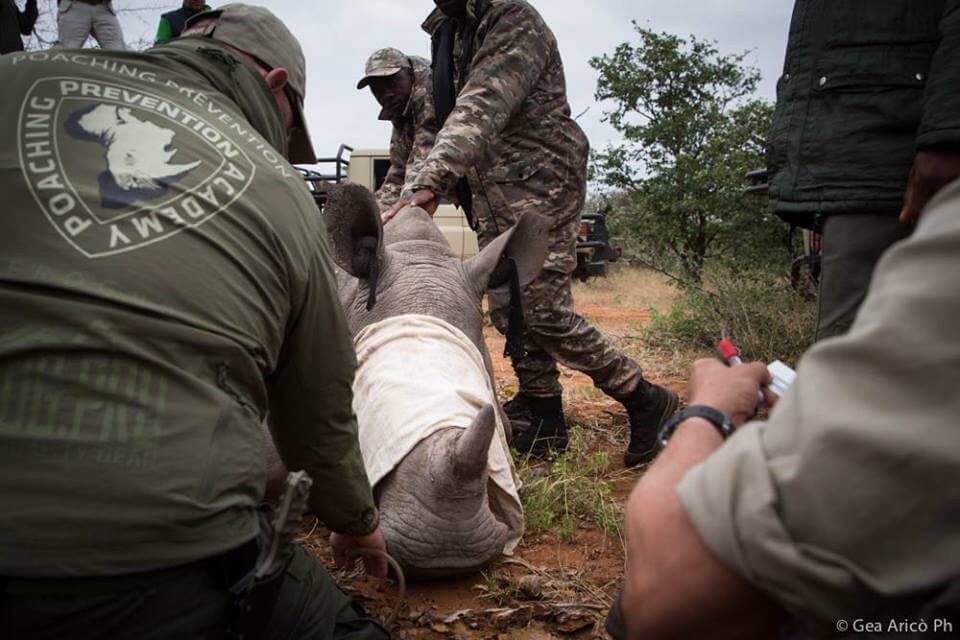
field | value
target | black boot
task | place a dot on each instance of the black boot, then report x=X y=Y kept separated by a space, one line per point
x=538 y=424
x=648 y=408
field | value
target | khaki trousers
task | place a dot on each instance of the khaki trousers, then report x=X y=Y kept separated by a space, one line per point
x=78 y=20
x=852 y=245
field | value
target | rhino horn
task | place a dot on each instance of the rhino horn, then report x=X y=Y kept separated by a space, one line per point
x=473 y=446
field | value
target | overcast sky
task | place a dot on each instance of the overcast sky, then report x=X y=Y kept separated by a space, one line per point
x=337 y=37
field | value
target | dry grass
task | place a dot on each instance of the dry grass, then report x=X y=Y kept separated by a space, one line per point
x=634 y=292
x=627 y=288
x=565 y=596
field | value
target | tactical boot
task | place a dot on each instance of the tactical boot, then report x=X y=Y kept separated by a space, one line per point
x=517 y=409
x=538 y=425
x=648 y=408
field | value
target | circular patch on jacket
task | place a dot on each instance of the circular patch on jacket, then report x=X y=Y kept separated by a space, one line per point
x=116 y=168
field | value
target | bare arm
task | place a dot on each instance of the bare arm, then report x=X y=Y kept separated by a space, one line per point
x=675 y=587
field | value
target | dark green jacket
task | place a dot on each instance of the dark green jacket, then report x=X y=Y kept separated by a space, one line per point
x=866 y=84
x=165 y=281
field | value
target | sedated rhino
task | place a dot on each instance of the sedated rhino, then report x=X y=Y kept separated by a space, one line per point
x=431 y=431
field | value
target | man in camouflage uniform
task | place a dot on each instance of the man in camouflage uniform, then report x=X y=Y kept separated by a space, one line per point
x=404 y=88
x=511 y=136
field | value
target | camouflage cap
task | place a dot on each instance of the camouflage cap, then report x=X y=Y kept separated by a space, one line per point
x=383 y=63
x=259 y=33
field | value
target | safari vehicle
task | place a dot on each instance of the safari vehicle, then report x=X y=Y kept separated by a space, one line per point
x=369 y=168
x=594 y=252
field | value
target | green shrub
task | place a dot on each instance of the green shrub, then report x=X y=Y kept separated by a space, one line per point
x=573 y=487
x=757 y=310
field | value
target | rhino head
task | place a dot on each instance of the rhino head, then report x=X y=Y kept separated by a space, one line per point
x=435 y=508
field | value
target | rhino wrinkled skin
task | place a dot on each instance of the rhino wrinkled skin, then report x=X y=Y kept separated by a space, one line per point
x=434 y=511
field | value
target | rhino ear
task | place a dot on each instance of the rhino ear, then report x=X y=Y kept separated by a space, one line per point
x=526 y=243
x=353 y=224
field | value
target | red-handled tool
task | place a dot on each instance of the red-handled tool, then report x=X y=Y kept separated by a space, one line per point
x=731 y=357
x=728 y=353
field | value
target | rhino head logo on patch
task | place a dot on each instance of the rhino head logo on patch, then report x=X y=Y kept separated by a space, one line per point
x=138 y=154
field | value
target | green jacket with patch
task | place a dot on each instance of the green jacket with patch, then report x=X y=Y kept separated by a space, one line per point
x=866 y=84
x=165 y=281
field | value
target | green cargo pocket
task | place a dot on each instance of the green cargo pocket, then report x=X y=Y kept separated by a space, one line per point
x=865 y=106
x=503 y=192
x=518 y=168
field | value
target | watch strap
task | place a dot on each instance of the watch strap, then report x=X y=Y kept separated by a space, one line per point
x=718 y=419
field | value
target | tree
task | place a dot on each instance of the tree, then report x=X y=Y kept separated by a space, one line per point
x=691 y=129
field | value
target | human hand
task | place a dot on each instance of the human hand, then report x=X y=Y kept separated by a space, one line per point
x=932 y=170
x=732 y=390
x=345 y=551
x=424 y=198
x=389 y=214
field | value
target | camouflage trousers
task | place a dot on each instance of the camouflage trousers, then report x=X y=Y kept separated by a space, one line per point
x=554 y=331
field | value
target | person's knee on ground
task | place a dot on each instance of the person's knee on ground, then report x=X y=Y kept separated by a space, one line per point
x=310 y=604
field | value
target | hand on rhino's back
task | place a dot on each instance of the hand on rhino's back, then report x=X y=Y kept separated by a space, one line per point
x=415 y=269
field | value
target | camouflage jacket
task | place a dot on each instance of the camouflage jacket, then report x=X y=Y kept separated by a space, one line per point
x=413 y=135
x=511 y=123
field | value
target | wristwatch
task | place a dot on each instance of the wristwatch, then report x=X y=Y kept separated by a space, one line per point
x=718 y=419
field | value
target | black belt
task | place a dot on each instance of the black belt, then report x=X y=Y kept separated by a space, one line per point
x=225 y=568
